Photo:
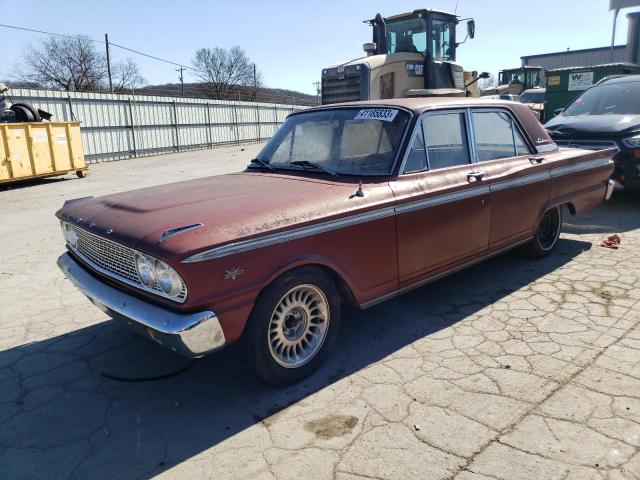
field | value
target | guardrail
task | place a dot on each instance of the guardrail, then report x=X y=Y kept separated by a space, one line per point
x=117 y=126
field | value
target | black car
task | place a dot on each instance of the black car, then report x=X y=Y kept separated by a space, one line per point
x=606 y=115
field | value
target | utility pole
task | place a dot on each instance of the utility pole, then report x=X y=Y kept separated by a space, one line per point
x=613 y=34
x=181 y=69
x=106 y=43
x=317 y=85
x=255 y=82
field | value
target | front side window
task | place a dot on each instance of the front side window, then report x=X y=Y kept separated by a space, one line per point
x=496 y=136
x=613 y=98
x=349 y=141
x=442 y=41
x=407 y=35
x=445 y=138
x=417 y=156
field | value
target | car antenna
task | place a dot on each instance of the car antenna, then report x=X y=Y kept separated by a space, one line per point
x=359 y=192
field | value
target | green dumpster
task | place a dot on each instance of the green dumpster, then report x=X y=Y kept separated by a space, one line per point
x=565 y=84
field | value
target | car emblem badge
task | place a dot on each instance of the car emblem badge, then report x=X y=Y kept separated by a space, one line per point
x=109 y=231
x=233 y=273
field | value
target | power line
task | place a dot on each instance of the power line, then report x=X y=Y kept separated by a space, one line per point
x=149 y=56
x=93 y=40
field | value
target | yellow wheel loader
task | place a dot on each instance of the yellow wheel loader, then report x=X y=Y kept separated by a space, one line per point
x=412 y=54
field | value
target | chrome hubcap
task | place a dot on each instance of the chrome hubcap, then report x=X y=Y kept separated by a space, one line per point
x=298 y=326
x=549 y=229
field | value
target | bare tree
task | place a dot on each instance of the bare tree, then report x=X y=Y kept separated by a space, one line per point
x=71 y=64
x=126 y=76
x=487 y=83
x=221 y=70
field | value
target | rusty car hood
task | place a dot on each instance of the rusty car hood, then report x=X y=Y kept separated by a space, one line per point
x=230 y=207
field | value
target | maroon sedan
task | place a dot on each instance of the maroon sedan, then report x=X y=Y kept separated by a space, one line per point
x=353 y=203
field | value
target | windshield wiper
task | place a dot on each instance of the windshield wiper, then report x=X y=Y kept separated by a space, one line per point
x=307 y=164
x=262 y=163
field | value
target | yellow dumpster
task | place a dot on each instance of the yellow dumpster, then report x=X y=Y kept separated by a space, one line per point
x=36 y=150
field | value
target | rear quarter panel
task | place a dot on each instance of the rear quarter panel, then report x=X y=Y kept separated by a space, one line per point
x=579 y=178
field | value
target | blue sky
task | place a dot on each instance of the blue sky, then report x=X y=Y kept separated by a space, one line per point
x=290 y=41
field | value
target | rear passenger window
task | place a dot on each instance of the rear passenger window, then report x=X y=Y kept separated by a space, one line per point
x=446 y=140
x=496 y=136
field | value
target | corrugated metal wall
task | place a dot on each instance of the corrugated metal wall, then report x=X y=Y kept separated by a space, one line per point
x=121 y=126
x=576 y=58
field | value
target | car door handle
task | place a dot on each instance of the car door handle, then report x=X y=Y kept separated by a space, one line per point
x=537 y=159
x=475 y=176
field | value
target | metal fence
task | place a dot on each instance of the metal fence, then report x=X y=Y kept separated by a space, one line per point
x=123 y=126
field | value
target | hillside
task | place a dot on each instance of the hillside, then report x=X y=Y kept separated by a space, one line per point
x=259 y=94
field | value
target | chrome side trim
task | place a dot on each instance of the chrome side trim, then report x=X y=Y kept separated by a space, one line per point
x=441 y=199
x=579 y=167
x=434 y=278
x=166 y=235
x=301 y=232
x=192 y=334
x=520 y=181
x=281 y=237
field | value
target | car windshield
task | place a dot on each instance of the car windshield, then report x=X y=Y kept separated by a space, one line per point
x=613 y=98
x=350 y=141
x=532 y=97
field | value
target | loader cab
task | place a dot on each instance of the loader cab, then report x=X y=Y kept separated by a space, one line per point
x=411 y=54
x=420 y=31
x=516 y=80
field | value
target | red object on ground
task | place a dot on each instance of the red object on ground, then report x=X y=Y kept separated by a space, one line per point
x=611 y=242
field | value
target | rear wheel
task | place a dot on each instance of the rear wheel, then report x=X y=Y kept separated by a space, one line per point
x=547 y=234
x=293 y=326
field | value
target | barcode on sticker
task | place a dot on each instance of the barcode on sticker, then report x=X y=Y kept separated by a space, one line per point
x=384 y=114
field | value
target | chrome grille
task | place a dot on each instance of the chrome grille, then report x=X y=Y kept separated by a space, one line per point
x=115 y=260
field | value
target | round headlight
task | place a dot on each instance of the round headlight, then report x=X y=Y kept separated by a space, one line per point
x=168 y=280
x=146 y=270
x=70 y=236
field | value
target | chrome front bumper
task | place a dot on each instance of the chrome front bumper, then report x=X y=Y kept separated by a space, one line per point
x=191 y=335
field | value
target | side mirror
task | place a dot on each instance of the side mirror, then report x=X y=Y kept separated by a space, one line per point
x=485 y=75
x=369 y=48
x=558 y=111
x=471 y=28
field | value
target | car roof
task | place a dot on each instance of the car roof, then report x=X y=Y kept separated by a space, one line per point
x=535 y=90
x=621 y=79
x=420 y=104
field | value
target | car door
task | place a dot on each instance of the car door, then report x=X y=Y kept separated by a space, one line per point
x=442 y=207
x=519 y=180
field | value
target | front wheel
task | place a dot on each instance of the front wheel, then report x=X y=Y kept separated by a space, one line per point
x=547 y=234
x=293 y=326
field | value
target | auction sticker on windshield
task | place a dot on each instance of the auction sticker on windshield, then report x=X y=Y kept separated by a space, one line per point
x=384 y=114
